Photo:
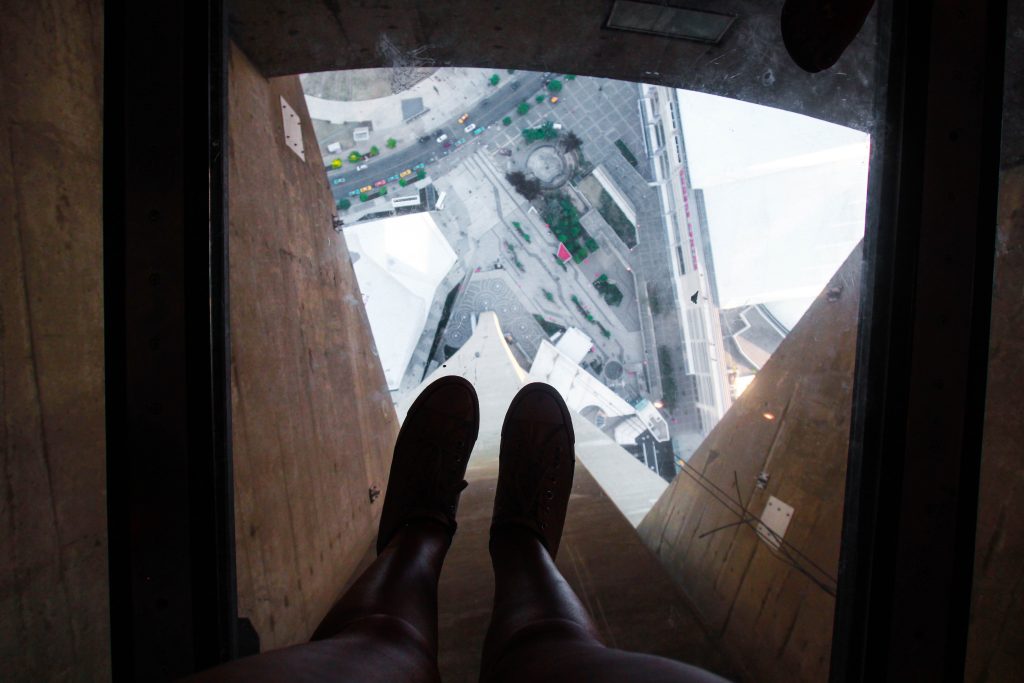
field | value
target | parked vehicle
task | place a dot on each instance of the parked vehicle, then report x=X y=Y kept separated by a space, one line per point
x=353 y=193
x=362 y=167
x=405 y=173
x=556 y=126
x=460 y=141
x=380 y=182
x=462 y=119
x=479 y=130
x=334 y=147
x=393 y=178
x=337 y=181
x=420 y=165
x=425 y=139
x=367 y=188
x=441 y=138
x=470 y=128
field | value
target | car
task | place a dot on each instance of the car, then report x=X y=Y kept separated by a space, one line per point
x=462 y=119
x=479 y=130
x=392 y=178
x=460 y=141
x=441 y=138
x=367 y=188
x=554 y=100
x=405 y=173
x=337 y=181
x=362 y=167
x=470 y=128
x=422 y=164
x=514 y=85
x=380 y=182
x=556 y=126
x=353 y=193
x=446 y=144
x=424 y=139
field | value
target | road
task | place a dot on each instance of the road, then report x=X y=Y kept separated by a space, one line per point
x=488 y=111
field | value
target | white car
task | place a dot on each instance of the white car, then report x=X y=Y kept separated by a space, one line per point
x=442 y=138
x=362 y=167
x=470 y=128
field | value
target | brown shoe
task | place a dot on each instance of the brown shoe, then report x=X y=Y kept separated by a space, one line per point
x=535 y=465
x=431 y=454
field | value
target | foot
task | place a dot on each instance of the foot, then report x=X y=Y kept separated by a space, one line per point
x=431 y=454
x=535 y=465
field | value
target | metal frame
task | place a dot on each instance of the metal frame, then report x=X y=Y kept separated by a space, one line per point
x=169 y=492
x=907 y=551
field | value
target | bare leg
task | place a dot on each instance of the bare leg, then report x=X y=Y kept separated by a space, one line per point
x=383 y=629
x=540 y=631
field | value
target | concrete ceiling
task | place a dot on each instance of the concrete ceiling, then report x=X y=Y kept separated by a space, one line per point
x=563 y=36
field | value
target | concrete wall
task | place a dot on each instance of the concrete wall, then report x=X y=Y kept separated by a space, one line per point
x=793 y=423
x=53 y=527
x=313 y=424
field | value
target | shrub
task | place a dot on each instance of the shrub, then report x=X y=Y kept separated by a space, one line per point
x=627 y=153
x=590 y=243
x=548 y=295
x=544 y=132
x=613 y=215
x=550 y=328
x=391 y=143
x=494 y=80
x=529 y=188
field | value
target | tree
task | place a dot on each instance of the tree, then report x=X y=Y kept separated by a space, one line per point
x=421 y=174
x=571 y=142
x=383 y=191
x=522 y=108
x=555 y=85
x=570 y=77
x=510 y=71
x=403 y=182
x=507 y=120
x=528 y=187
x=494 y=80
x=344 y=204
x=538 y=99
x=374 y=151
x=391 y=143
x=336 y=163
x=355 y=157
x=363 y=196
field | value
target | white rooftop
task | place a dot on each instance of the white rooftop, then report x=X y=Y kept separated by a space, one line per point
x=575 y=344
x=399 y=262
x=785 y=197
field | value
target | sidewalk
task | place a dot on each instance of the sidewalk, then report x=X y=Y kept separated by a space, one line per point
x=446 y=95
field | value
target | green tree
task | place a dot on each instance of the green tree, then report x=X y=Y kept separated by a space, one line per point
x=344 y=204
x=522 y=108
x=421 y=174
x=355 y=157
x=383 y=191
x=336 y=163
x=391 y=143
x=555 y=85
x=363 y=196
x=507 y=120
x=538 y=99
x=374 y=151
x=403 y=182
x=494 y=80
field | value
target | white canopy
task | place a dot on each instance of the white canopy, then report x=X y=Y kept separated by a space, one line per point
x=785 y=197
x=399 y=263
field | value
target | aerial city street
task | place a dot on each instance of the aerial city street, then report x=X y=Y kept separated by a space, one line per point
x=568 y=209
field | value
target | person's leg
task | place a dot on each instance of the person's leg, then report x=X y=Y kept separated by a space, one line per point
x=384 y=628
x=540 y=631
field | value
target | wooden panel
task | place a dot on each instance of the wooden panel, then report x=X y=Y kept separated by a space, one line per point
x=53 y=528
x=774 y=618
x=313 y=423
